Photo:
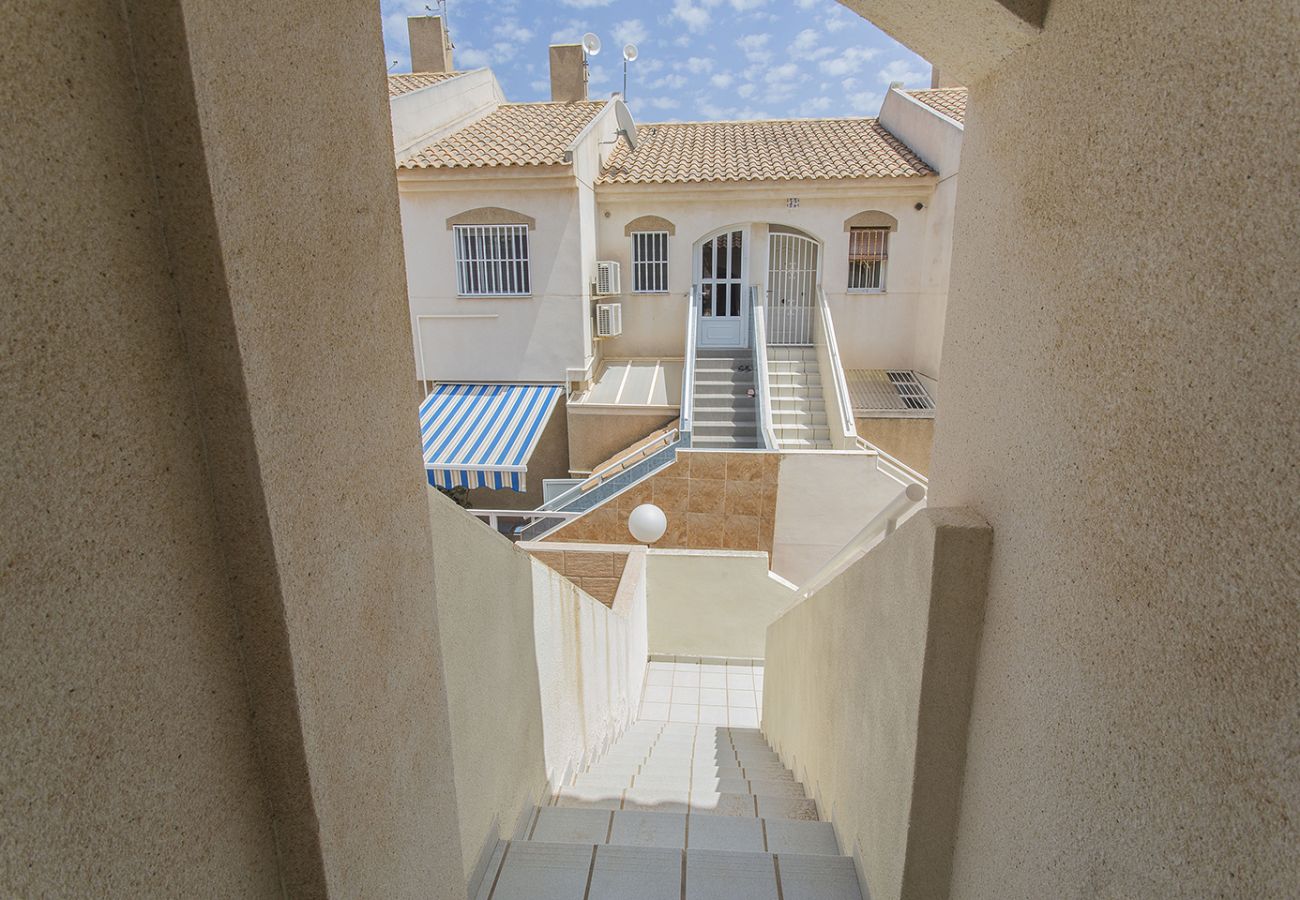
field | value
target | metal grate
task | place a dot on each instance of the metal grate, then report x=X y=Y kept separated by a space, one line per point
x=868 y=255
x=791 y=289
x=649 y=262
x=889 y=392
x=492 y=260
x=910 y=390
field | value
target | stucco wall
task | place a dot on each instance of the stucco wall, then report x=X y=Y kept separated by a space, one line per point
x=533 y=338
x=894 y=329
x=867 y=692
x=712 y=602
x=127 y=758
x=596 y=437
x=541 y=676
x=1120 y=405
x=823 y=499
x=910 y=441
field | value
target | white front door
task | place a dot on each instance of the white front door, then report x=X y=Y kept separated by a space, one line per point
x=721 y=268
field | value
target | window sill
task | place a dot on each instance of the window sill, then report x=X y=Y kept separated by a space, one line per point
x=494 y=296
x=651 y=293
x=867 y=292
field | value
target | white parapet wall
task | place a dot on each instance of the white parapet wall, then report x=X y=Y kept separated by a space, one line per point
x=867 y=696
x=541 y=677
x=712 y=602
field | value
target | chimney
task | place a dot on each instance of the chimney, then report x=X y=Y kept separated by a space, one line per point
x=937 y=80
x=568 y=73
x=430 y=44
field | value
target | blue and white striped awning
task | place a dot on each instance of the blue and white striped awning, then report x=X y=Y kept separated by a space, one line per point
x=481 y=435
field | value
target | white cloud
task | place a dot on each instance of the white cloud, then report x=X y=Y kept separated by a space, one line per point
x=851 y=60
x=817 y=104
x=649 y=66
x=674 y=81
x=836 y=19
x=746 y=90
x=569 y=33
x=663 y=103
x=540 y=86
x=722 y=80
x=743 y=5
x=786 y=74
x=511 y=30
x=867 y=103
x=631 y=31
x=585 y=4
x=805 y=41
x=805 y=4
x=698 y=65
x=695 y=16
x=904 y=71
x=682 y=40
x=597 y=75
x=754 y=46
x=469 y=58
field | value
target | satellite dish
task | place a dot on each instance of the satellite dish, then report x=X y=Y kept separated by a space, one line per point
x=591 y=44
x=626 y=126
x=629 y=52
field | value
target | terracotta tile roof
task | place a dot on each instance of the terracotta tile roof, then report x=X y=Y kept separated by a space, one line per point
x=949 y=101
x=761 y=150
x=516 y=134
x=405 y=82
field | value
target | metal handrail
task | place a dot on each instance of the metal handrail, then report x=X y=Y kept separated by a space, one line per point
x=762 y=383
x=597 y=478
x=906 y=474
x=837 y=369
x=882 y=524
x=688 y=364
x=492 y=515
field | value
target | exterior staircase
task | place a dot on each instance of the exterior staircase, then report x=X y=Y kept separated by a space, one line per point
x=680 y=812
x=795 y=394
x=725 y=411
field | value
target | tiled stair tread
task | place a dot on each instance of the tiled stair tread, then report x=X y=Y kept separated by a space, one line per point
x=538 y=870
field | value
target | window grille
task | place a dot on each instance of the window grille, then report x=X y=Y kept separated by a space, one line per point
x=649 y=262
x=492 y=260
x=868 y=254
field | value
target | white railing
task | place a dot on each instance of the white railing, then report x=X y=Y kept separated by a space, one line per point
x=881 y=526
x=527 y=516
x=891 y=466
x=688 y=364
x=850 y=430
x=762 y=384
x=603 y=474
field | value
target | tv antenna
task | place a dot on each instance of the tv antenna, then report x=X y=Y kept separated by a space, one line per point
x=629 y=55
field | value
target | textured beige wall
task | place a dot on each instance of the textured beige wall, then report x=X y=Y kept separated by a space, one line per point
x=712 y=602
x=127 y=761
x=484 y=589
x=596 y=568
x=568 y=72
x=867 y=694
x=910 y=441
x=1120 y=371
x=595 y=438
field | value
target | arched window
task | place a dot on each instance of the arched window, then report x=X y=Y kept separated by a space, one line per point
x=492 y=252
x=869 y=249
x=649 y=236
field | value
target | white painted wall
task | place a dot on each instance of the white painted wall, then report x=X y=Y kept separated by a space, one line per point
x=823 y=499
x=712 y=602
x=423 y=116
x=540 y=676
x=874 y=330
x=937 y=139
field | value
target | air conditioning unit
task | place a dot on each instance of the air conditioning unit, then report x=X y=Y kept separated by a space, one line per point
x=609 y=318
x=607 y=278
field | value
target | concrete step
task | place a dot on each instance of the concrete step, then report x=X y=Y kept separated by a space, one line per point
x=553 y=870
x=814 y=418
x=804 y=444
x=640 y=828
x=801 y=432
x=739 y=442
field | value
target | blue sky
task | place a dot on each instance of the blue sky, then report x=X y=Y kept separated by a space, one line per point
x=699 y=59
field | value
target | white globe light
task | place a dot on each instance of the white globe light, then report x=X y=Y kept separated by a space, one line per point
x=647 y=523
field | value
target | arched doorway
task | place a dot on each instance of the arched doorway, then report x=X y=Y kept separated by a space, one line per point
x=792 y=273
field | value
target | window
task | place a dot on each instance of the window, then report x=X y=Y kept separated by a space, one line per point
x=492 y=260
x=649 y=262
x=868 y=253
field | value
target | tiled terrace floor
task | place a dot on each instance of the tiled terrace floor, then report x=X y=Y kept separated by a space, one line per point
x=703 y=691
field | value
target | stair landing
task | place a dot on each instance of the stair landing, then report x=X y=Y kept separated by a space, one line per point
x=678 y=810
